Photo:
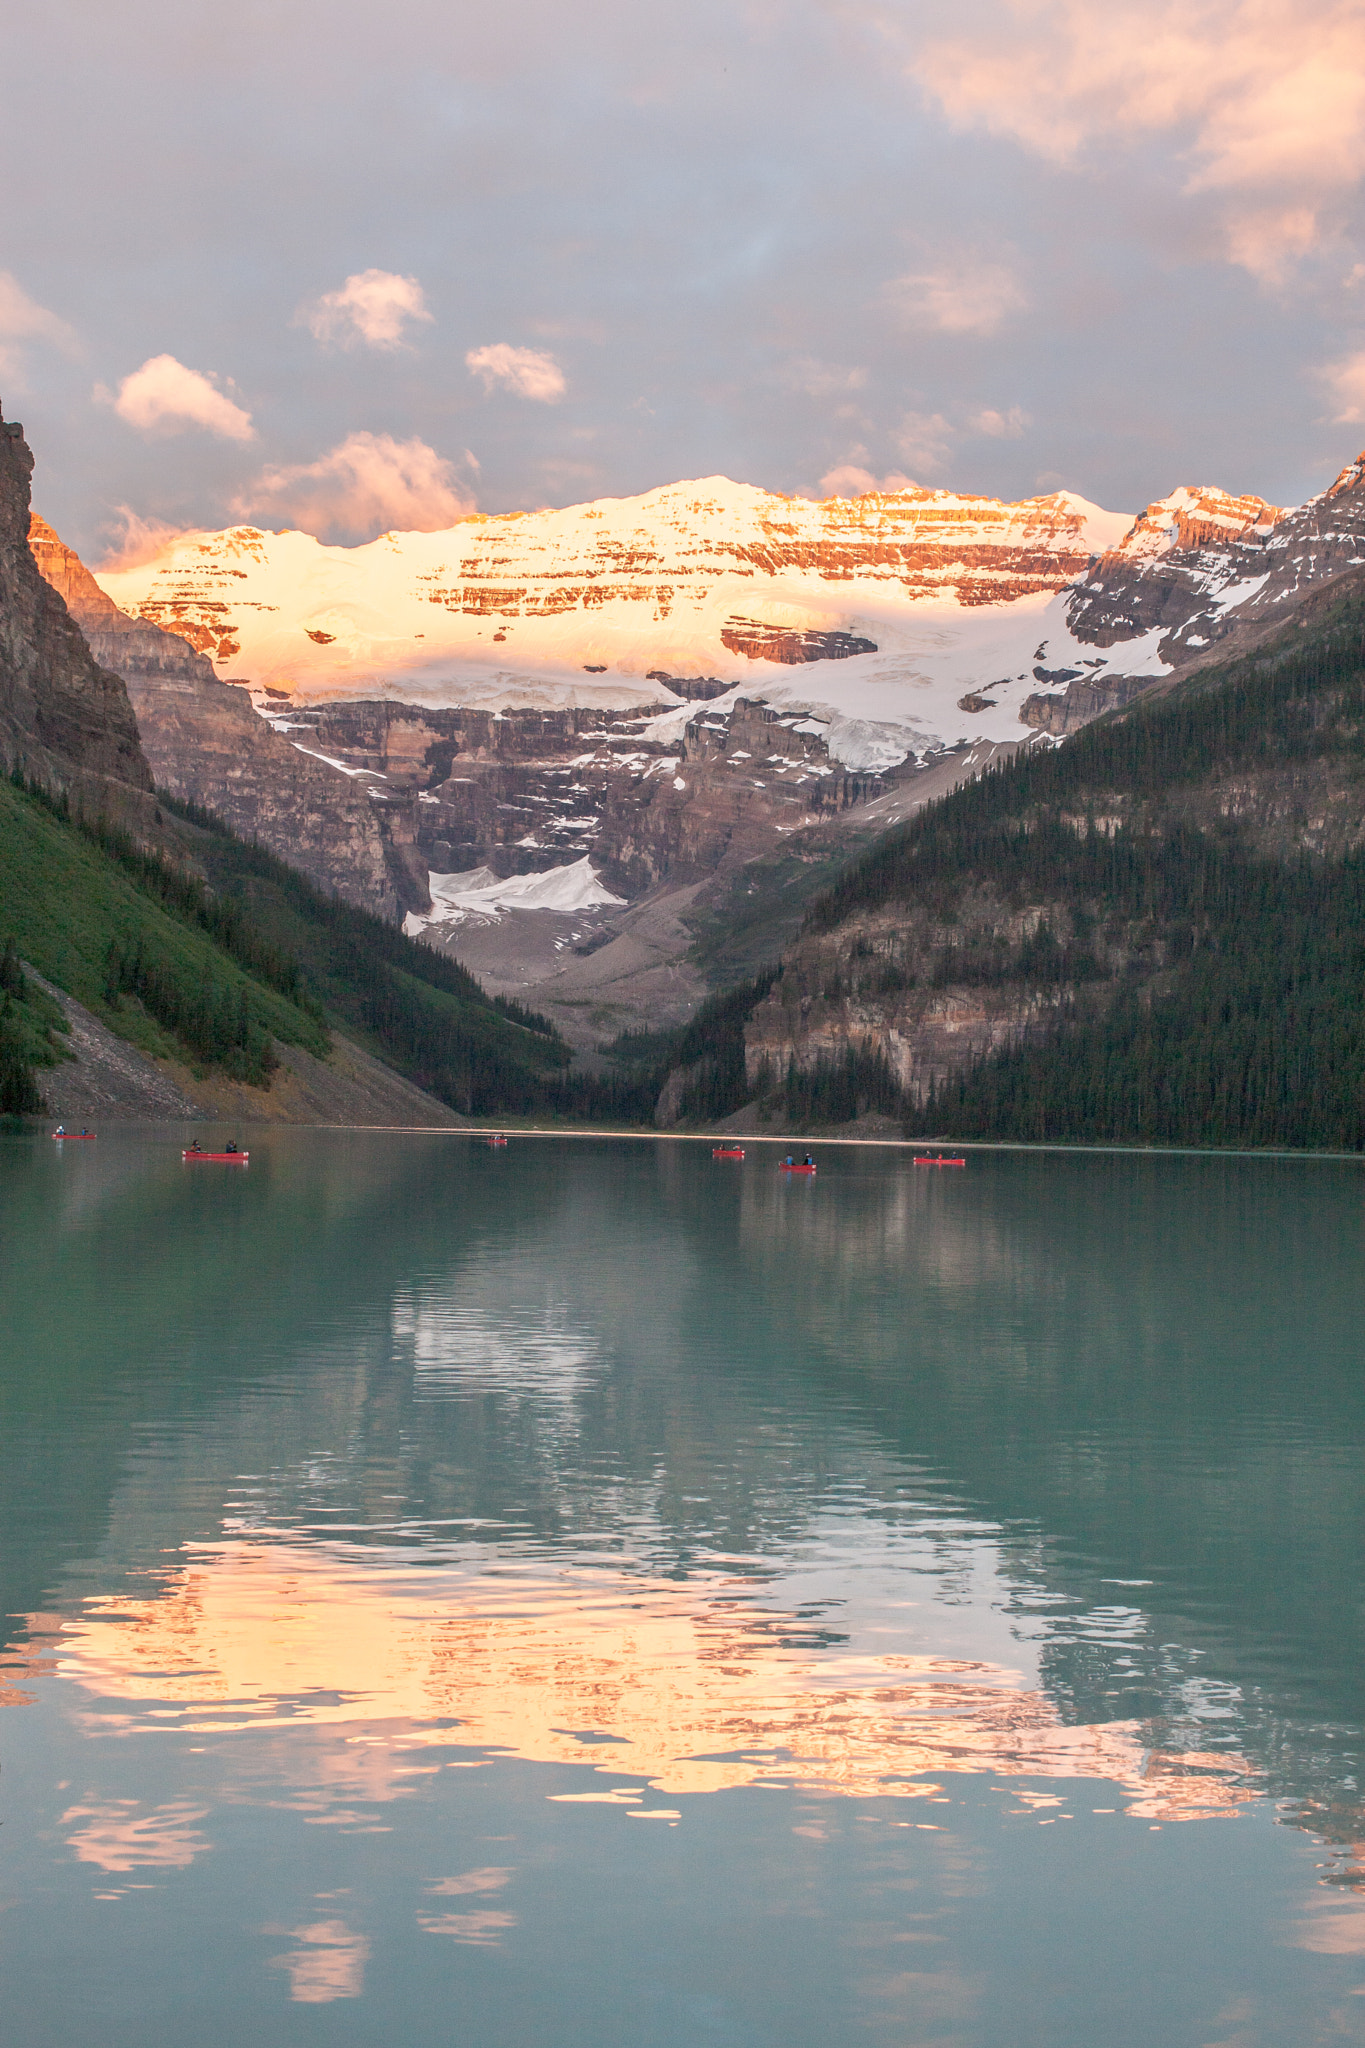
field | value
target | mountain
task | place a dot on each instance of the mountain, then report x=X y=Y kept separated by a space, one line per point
x=686 y=696
x=1155 y=933
x=200 y=967
x=887 y=605
x=1198 y=570
x=205 y=744
x=671 y=687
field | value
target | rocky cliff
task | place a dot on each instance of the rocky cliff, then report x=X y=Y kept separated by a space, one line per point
x=206 y=745
x=63 y=717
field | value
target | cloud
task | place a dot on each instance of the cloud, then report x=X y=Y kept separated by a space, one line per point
x=137 y=540
x=820 y=380
x=370 y=483
x=23 y=320
x=1000 y=426
x=958 y=298
x=373 y=307
x=925 y=439
x=164 y=397
x=1262 y=101
x=527 y=371
x=1345 y=381
x=849 y=481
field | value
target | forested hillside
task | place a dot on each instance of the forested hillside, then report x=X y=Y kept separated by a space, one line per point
x=1154 y=933
x=212 y=967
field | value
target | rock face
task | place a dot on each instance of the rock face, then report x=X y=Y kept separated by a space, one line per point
x=63 y=717
x=520 y=791
x=206 y=745
x=784 y=644
x=870 y=988
x=1200 y=571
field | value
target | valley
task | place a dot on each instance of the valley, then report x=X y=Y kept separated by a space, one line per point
x=728 y=712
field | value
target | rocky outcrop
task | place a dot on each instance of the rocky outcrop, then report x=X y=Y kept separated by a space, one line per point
x=787 y=645
x=206 y=745
x=884 y=984
x=63 y=717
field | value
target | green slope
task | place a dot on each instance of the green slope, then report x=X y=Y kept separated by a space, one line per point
x=212 y=970
x=145 y=968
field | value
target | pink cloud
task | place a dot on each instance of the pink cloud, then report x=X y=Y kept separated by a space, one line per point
x=1345 y=381
x=368 y=484
x=529 y=372
x=964 y=296
x=373 y=307
x=165 y=397
x=1264 y=100
x=849 y=481
x=137 y=540
x=22 y=323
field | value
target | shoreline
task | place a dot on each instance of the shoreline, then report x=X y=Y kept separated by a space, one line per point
x=806 y=1139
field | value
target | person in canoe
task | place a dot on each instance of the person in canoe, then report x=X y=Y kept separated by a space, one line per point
x=60 y=1131
x=231 y=1145
x=808 y=1160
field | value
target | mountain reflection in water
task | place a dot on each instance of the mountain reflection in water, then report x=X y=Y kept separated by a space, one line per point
x=393 y=1465
x=695 y=1688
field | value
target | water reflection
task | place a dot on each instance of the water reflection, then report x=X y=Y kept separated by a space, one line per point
x=693 y=1687
x=378 y=1490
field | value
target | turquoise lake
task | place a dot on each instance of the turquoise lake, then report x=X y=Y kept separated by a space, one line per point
x=597 y=1596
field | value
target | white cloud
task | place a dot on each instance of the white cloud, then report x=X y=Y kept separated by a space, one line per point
x=164 y=397
x=820 y=380
x=23 y=321
x=1345 y=381
x=925 y=439
x=965 y=297
x=529 y=372
x=1263 y=101
x=1001 y=426
x=368 y=484
x=849 y=481
x=373 y=307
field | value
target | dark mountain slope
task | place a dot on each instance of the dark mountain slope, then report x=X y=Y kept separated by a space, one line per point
x=1153 y=933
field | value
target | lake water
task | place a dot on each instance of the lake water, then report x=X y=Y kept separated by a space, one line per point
x=594 y=1596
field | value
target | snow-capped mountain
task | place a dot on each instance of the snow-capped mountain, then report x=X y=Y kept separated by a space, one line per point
x=878 y=612
x=616 y=705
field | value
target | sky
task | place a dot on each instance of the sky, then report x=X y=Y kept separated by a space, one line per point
x=350 y=267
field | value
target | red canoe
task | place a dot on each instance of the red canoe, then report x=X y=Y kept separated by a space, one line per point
x=920 y=1160
x=494 y=1142
x=74 y=1137
x=784 y=1168
x=727 y=1151
x=220 y=1158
